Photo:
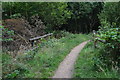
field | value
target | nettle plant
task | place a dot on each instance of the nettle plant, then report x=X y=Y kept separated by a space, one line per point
x=6 y=34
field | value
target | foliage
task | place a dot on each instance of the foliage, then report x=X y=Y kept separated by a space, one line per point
x=103 y=62
x=45 y=60
x=55 y=14
x=58 y=15
x=110 y=13
x=84 y=16
x=52 y=14
x=6 y=34
x=90 y=66
x=59 y=34
x=18 y=15
x=109 y=31
x=110 y=54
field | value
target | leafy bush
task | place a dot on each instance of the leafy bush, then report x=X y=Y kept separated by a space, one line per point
x=110 y=54
x=110 y=33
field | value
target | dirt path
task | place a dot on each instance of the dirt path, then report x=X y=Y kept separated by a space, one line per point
x=66 y=67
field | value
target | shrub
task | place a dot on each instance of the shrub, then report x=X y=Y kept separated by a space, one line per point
x=110 y=52
x=110 y=32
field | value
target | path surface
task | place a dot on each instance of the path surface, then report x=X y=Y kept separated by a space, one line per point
x=66 y=67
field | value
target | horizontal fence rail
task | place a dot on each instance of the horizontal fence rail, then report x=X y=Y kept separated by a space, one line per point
x=36 y=38
x=39 y=37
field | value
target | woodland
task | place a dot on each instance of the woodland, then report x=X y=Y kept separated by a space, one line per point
x=37 y=36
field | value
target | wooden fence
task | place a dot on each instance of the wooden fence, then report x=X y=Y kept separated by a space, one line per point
x=37 y=38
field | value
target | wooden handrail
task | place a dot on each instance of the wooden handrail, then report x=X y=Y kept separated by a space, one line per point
x=36 y=38
x=39 y=37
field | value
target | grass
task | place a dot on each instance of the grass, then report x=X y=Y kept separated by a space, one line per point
x=42 y=62
x=85 y=65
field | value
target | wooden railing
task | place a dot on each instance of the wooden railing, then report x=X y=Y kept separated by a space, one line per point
x=37 y=38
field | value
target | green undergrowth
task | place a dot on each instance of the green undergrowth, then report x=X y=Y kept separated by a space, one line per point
x=89 y=66
x=42 y=62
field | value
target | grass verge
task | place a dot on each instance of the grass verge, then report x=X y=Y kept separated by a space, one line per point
x=85 y=65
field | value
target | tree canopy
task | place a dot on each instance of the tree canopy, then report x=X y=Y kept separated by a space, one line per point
x=74 y=17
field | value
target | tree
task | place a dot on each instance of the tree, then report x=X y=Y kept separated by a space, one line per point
x=111 y=13
x=52 y=14
x=84 y=16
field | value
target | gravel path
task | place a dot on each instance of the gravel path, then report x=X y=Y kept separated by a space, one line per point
x=66 y=67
